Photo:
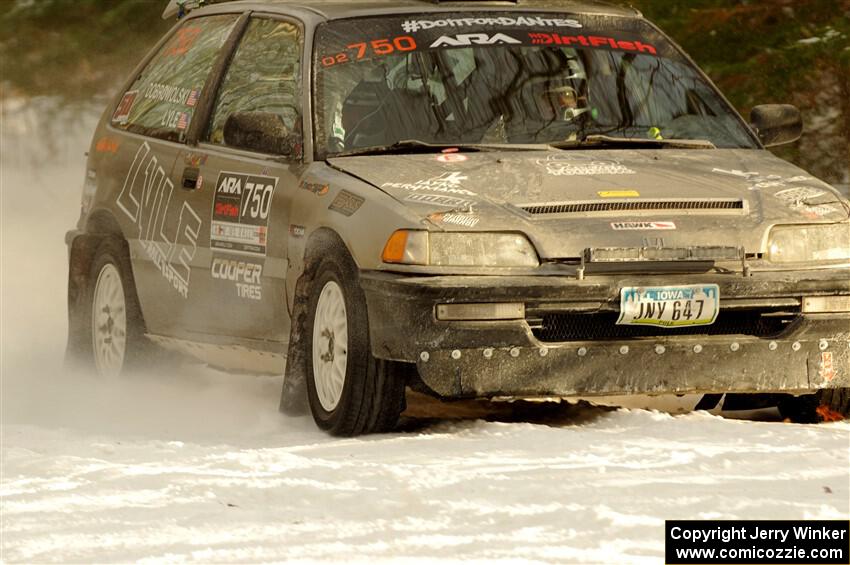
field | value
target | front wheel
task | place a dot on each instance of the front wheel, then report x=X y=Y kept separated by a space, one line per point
x=349 y=391
x=827 y=405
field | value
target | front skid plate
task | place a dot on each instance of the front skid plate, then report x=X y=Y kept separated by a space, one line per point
x=646 y=367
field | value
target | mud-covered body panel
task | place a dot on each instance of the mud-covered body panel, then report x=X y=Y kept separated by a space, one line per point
x=493 y=190
x=513 y=358
x=194 y=290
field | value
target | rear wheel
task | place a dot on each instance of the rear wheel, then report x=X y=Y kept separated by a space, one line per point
x=109 y=321
x=349 y=391
x=107 y=327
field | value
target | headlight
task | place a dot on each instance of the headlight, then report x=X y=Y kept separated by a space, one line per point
x=801 y=244
x=460 y=249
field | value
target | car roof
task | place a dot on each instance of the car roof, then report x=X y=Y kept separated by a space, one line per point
x=338 y=9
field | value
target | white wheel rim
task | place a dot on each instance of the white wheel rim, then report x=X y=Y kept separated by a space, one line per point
x=109 y=322
x=330 y=346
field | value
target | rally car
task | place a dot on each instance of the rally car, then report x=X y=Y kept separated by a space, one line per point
x=469 y=199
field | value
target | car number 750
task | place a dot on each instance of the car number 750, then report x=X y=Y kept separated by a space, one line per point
x=258 y=200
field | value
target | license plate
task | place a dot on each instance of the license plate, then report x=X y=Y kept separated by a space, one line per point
x=669 y=306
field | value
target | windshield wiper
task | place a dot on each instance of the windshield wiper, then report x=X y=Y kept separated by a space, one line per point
x=416 y=146
x=608 y=142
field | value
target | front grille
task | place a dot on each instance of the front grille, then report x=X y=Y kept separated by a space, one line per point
x=589 y=207
x=603 y=326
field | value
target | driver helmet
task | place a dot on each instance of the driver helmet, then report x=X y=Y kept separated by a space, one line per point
x=565 y=97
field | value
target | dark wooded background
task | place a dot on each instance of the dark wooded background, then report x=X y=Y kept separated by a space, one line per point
x=794 y=51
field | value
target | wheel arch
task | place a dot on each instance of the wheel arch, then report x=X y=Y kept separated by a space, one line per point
x=82 y=249
x=99 y=225
x=321 y=243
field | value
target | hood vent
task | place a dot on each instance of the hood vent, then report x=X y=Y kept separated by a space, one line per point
x=631 y=206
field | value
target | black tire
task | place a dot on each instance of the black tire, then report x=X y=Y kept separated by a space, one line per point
x=81 y=346
x=373 y=394
x=836 y=399
x=804 y=409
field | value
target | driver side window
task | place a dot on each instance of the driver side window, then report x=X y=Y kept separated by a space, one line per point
x=264 y=76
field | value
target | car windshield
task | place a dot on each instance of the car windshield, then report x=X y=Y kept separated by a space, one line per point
x=512 y=78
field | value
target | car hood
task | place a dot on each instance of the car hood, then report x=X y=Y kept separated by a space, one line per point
x=566 y=201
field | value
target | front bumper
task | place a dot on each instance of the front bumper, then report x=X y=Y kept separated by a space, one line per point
x=505 y=358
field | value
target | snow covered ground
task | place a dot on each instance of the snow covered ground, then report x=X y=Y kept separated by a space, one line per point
x=197 y=465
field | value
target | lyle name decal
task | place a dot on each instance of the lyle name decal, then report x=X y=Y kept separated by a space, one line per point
x=146 y=199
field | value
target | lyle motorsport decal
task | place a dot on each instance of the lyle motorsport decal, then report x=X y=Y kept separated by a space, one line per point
x=146 y=199
x=240 y=215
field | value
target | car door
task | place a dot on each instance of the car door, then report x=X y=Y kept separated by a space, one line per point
x=162 y=226
x=244 y=194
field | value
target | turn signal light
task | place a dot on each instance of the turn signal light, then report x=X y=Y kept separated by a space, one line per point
x=395 y=247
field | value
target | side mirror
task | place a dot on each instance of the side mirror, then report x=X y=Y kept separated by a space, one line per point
x=777 y=124
x=259 y=131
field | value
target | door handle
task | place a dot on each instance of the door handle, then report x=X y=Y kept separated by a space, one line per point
x=190 y=178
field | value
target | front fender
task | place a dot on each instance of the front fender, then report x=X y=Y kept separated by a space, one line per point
x=362 y=216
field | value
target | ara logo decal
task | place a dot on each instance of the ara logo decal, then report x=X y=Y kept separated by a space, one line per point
x=467 y=39
x=230 y=185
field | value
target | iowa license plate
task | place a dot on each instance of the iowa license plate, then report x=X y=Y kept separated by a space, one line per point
x=669 y=306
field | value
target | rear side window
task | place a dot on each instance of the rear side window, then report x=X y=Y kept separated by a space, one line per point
x=161 y=103
x=264 y=76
